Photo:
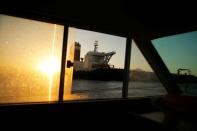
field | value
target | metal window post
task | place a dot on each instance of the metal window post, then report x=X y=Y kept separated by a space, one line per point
x=127 y=67
x=63 y=63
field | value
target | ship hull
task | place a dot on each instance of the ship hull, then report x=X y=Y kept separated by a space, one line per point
x=100 y=74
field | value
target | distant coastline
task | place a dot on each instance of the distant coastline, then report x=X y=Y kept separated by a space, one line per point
x=115 y=74
x=136 y=75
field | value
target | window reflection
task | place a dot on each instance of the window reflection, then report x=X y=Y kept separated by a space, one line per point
x=30 y=54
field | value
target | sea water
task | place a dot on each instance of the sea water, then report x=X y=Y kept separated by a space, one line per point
x=113 y=89
x=90 y=89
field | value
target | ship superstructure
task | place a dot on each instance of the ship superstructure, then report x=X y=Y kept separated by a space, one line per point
x=93 y=59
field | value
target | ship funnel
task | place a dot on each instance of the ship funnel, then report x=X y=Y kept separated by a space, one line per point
x=77 y=51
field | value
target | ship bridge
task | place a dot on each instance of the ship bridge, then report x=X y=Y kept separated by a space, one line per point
x=95 y=59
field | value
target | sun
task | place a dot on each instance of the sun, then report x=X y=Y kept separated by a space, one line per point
x=49 y=66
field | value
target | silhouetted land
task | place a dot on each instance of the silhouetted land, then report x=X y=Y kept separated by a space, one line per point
x=116 y=75
x=135 y=75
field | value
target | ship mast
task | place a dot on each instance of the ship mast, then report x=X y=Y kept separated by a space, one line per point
x=95 y=46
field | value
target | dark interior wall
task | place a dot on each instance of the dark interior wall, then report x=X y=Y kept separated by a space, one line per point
x=136 y=105
x=95 y=15
x=143 y=20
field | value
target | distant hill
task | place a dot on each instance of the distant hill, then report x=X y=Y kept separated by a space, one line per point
x=138 y=75
x=185 y=78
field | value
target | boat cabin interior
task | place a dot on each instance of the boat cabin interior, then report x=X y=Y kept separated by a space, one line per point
x=142 y=25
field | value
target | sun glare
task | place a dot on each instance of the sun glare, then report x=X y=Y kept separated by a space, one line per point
x=49 y=66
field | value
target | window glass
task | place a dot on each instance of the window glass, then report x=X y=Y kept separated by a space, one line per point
x=30 y=56
x=142 y=81
x=98 y=65
x=179 y=54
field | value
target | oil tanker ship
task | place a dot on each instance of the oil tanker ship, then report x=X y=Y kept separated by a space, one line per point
x=95 y=65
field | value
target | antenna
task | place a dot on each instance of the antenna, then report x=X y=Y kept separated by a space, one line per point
x=95 y=46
